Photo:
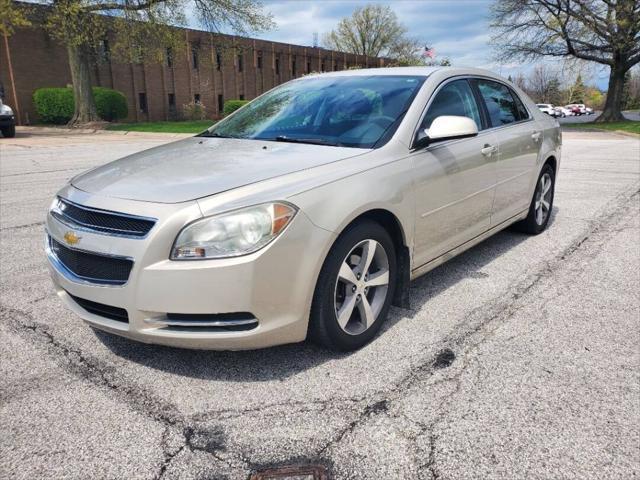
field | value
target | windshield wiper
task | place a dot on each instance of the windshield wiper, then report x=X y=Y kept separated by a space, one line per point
x=312 y=141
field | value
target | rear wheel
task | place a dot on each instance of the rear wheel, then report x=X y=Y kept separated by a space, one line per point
x=9 y=132
x=354 y=289
x=541 y=204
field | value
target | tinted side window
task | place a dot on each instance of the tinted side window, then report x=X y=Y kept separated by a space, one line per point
x=500 y=104
x=455 y=98
x=523 y=114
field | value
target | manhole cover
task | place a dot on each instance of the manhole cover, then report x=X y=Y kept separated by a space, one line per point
x=306 y=472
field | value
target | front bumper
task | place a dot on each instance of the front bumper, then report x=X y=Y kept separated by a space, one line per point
x=7 y=121
x=275 y=285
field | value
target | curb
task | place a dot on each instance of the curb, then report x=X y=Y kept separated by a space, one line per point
x=95 y=131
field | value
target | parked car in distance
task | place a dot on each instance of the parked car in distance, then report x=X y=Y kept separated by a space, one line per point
x=305 y=213
x=563 y=112
x=548 y=109
x=579 y=109
x=7 y=121
x=588 y=110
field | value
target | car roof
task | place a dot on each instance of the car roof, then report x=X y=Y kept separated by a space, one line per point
x=413 y=71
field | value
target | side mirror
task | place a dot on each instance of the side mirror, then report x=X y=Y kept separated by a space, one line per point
x=446 y=127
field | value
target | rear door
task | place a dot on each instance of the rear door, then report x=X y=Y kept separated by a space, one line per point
x=519 y=141
x=454 y=179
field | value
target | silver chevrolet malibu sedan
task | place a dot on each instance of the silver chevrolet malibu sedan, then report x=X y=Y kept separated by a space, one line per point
x=306 y=213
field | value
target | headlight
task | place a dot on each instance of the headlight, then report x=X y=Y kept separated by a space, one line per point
x=6 y=110
x=234 y=233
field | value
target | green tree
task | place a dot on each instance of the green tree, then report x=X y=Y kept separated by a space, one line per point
x=143 y=32
x=375 y=30
x=577 y=91
x=632 y=90
x=553 y=92
x=602 y=31
x=593 y=98
x=11 y=17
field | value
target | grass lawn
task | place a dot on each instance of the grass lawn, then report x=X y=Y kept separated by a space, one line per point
x=628 y=126
x=194 y=126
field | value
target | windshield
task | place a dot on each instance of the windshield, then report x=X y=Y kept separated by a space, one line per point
x=350 y=111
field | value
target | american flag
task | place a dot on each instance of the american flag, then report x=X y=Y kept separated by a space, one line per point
x=428 y=52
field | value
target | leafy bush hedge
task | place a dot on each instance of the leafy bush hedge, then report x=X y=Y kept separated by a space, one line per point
x=231 y=106
x=194 y=111
x=111 y=104
x=56 y=105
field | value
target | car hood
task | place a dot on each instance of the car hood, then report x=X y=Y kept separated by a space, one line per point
x=198 y=167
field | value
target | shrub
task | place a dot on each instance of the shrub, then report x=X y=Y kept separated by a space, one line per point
x=111 y=104
x=56 y=105
x=231 y=106
x=194 y=111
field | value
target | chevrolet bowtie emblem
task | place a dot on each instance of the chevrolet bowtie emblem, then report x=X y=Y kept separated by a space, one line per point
x=71 y=238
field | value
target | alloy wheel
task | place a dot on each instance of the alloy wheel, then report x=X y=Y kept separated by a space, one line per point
x=543 y=199
x=361 y=287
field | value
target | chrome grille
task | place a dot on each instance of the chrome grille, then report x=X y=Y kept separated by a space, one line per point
x=101 y=221
x=91 y=267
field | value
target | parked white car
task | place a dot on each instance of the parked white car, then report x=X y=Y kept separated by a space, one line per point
x=548 y=109
x=7 y=121
x=562 y=112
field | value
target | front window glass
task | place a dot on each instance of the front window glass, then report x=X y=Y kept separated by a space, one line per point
x=351 y=111
x=500 y=104
x=455 y=98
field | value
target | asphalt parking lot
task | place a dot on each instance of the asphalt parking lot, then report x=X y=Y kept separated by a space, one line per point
x=518 y=359
x=629 y=115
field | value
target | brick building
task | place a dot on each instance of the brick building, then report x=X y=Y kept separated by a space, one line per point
x=209 y=69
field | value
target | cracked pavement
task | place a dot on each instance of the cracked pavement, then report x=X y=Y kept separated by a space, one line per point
x=518 y=359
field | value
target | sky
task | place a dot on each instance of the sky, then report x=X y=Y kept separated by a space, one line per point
x=457 y=29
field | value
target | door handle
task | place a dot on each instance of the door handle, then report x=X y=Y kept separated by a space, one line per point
x=489 y=150
x=535 y=136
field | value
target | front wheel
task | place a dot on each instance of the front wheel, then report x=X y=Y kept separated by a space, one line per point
x=9 y=132
x=355 y=288
x=541 y=204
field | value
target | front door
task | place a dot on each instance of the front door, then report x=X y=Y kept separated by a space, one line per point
x=454 y=180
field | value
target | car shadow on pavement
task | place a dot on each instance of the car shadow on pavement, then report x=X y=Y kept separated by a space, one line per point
x=281 y=362
x=466 y=265
x=263 y=365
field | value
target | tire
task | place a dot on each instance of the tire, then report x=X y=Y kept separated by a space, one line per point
x=334 y=293
x=538 y=217
x=9 y=132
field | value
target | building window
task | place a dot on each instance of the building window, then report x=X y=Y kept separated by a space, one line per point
x=308 y=67
x=194 y=57
x=169 y=57
x=105 y=51
x=322 y=65
x=241 y=97
x=142 y=101
x=240 y=62
x=220 y=103
x=260 y=60
x=218 y=61
x=196 y=99
x=293 y=66
x=172 y=100
x=335 y=66
x=277 y=66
